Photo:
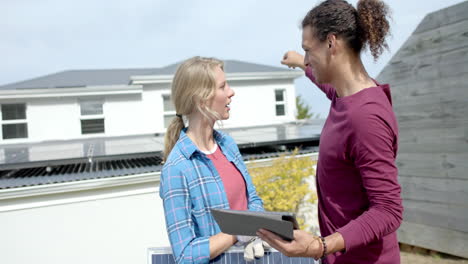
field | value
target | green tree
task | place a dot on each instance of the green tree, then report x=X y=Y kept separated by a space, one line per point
x=303 y=109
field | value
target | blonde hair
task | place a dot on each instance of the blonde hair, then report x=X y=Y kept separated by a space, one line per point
x=193 y=86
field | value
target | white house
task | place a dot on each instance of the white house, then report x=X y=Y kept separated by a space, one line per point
x=80 y=157
x=80 y=104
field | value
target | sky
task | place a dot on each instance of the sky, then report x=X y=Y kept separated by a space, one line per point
x=41 y=37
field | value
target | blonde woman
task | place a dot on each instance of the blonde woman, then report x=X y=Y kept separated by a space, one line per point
x=203 y=167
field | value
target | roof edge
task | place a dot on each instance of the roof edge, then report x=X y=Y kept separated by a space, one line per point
x=74 y=91
x=144 y=79
x=72 y=186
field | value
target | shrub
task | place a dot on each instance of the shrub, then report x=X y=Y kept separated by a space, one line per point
x=283 y=186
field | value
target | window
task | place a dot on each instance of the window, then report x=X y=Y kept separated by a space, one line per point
x=92 y=117
x=168 y=110
x=280 y=102
x=14 y=123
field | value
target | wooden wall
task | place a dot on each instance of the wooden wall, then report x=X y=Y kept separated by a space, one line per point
x=429 y=81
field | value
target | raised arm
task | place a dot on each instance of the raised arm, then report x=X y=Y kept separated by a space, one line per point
x=293 y=59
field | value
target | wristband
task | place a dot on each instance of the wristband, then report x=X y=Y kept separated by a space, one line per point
x=324 y=254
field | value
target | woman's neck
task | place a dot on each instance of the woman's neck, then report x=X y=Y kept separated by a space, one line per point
x=351 y=77
x=200 y=131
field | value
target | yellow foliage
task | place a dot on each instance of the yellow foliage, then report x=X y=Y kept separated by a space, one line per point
x=283 y=186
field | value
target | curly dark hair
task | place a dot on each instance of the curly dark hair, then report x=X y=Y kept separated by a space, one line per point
x=366 y=25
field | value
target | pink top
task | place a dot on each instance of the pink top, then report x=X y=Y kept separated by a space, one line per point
x=357 y=185
x=234 y=183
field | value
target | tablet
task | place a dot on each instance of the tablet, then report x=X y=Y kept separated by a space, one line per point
x=247 y=223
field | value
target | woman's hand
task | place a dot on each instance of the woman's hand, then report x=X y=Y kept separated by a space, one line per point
x=220 y=243
x=303 y=245
x=293 y=59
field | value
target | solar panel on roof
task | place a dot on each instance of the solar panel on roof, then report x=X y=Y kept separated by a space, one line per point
x=234 y=255
x=16 y=156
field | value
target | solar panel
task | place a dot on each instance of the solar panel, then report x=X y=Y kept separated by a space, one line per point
x=235 y=255
x=77 y=151
x=27 y=155
x=276 y=134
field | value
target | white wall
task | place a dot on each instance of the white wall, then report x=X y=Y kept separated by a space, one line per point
x=125 y=115
x=254 y=103
x=53 y=118
x=153 y=107
x=107 y=225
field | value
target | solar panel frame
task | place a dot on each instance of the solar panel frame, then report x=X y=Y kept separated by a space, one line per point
x=163 y=255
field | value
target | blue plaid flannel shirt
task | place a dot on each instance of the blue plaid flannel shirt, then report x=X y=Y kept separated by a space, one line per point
x=190 y=186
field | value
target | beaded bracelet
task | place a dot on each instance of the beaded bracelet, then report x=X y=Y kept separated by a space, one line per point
x=324 y=254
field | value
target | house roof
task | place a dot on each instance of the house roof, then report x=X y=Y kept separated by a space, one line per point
x=75 y=160
x=78 y=172
x=83 y=78
x=81 y=171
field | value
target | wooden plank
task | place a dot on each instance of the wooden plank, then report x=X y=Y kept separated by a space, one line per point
x=436 y=139
x=428 y=67
x=450 y=112
x=438 y=239
x=441 y=40
x=435 y=91
x=439 y=165
x=412 y=122
x=443 y=17
x=446 y=112
x=434 y=144
x=447 y=191
x=449 y=216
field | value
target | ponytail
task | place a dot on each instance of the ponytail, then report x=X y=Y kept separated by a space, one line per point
x=374 y=25
x=172 y=135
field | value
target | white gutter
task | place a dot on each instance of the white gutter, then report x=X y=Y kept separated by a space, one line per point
x=72 y=91
x=145 y=79
x=74 y=186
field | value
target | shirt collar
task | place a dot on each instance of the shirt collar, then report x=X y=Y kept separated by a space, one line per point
x=187 y=147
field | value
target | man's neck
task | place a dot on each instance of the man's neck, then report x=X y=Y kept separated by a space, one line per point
x=351 y=77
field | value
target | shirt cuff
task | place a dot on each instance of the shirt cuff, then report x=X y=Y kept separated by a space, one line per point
x=204 y=248
x=351 y=234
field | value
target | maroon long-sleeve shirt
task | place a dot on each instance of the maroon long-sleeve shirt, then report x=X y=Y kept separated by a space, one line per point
x=357 y=186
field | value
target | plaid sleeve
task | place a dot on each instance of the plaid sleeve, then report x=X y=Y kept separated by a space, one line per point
x=186 y=246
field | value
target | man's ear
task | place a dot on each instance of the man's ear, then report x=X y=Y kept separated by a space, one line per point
x=331 y=39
